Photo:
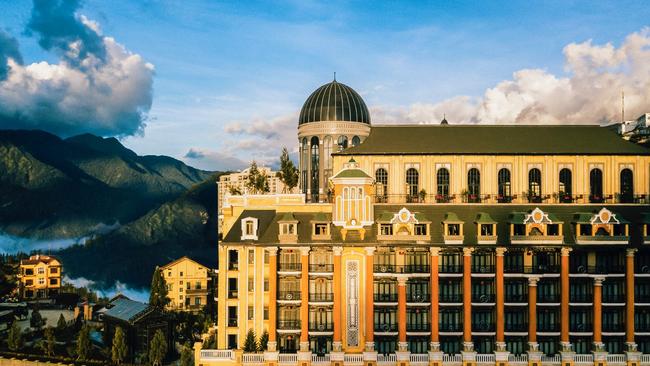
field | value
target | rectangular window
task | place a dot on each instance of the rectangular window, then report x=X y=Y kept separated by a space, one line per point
x=54 y=270
x=486 y=230
x=453 y=229
x=233 y=259
x=320 y=229
x=41 y=281
x=197 y=301
x=519 y=229
x=386 y=229
x=169 y=274
x=232 y=288
x=180 y=274
x=41 y=270
x=180 y=289
x=251 y=256
x=251 y=313
x=266 y=313
x=266 y=285
x=251 y=284
x=267 y=258
x=553 y=229
x=249 y=228
x=54 y=281
x=420 y=229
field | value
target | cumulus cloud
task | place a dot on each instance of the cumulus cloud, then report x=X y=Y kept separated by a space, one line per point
x=589 y=93
x=214 y=160
x=8 y=50
x=98 y=86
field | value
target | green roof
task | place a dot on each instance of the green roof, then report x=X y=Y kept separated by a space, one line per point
x=421 y=217
x=385 y=217
x=517 y=218
x=494 y=139
x=451 y=217
x=645 y=218
x=484 y=218
x=583 y=218
x=321 y=217
x=287 y=216
x=352 y=173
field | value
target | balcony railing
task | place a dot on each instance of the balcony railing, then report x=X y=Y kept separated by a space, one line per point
x=323 y=268
x=384 y=268
x=321 y=327
x=288 y=295
x=232 y=322
x=580 y=327
x=642 y=298
x=232 y=294
x=385 y=297
x=483 y=268
x=289 y=324
x=516 y=327
x=417 y=297
x=581 y=298
x=385 y=327
x=451 y=327
x=548 y=298
x=556 y=197
x=601 y=269
x=451 y=268
x=613 y=298
x=321 y=297
x=450 y=298
x=289 y=267
x=418 y=327
x=613 y=327
x=641 y=326
x=548 y=327
x=516 y=298
x=483 y=327
x=417 y=268
x=483 y=298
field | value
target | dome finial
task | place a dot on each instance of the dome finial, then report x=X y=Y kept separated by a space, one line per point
x=334 y=75
x=444 y=119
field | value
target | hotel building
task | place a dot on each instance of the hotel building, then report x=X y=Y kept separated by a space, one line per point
x=40 y=277
x=441 y=244
x=189 y=285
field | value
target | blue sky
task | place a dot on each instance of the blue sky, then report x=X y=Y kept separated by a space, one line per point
x=223 y=66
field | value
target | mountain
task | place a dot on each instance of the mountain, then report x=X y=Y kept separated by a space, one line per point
x=186 y=225
x=66 y=188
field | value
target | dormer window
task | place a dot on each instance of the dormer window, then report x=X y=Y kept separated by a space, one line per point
x=486 y=229
x=603 y=227
x=288 y=228
x=321 y=229
x=452 y=229
x=386 y=229
x=249 y=228
x=421 y=229
x=535 y=226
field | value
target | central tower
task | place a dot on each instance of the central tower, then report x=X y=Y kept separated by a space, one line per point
x=333 y=118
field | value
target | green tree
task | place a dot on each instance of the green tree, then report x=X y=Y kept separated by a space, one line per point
x=234 y=191
x=257 y=181
x=288 y=173
x=157 y=348
x=120 y=348
x=250 y=344
x=187 y=356
x=263 y=343
x=83 y=343
x=15 y=337
x=47 y=345
x=61 y=324
x=158 y=295
x=36 y=321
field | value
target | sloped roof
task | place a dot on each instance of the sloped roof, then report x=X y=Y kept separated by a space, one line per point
x=494 y=140
x=126 y=309
x=180 y=260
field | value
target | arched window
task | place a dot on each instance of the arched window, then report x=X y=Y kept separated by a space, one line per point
x=342 y=142
x=534 y=185
x=356 y=141
x=381 y=178
x=627 y=186
x=565 y=185
x=315 y=161
x=596 y=186
x=304 y=162
x=505 y=194
x=474 y=185
x=412 y=184
x=442 y=180
x=327 y=156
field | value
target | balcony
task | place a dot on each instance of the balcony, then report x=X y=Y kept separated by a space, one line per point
x=289 y=267
x=288 y=295
x=581 y=298
x=384 y=268
x=417 y=268
x=196 y=291
x=548 y=327
x=417 y=297
x=516 y=327
x=418 y=327
x=613 y=327
x=451 y=327
x=321 y=297
x=385 y=327
x=321 y=327
x=483 y=298
x=601 y=269
x=450 y=298
x=516 y=298
x=451 y=268
x=321 y=268
x=293 y=324
x=483 y=268
x=504 y=199
x=385 y=297
x=483 y=327
x=232 y=322
x=548 y=298
x=613 y=298
x=580 y=327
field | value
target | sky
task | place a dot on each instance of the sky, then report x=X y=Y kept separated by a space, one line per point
x=218 y=84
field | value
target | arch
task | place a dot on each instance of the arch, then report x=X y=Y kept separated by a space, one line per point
x=315 y=162
x=627 y=186
x=342 y=142
x=442 y=184
x=596 y=185
x=534 y=185
x=327 y=156
x=356 y=141
x=381 y=180
x=474 y=185
x=412 y=184
x=505 y=191
x=304 y=164
x=566 y=189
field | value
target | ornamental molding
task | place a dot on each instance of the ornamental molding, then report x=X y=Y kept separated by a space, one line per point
x=537 y=216
x=404 y=216
x=604 y=216
x=564 y=251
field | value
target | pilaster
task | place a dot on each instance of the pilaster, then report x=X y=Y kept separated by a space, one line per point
x=564 y=299
x=468 y=345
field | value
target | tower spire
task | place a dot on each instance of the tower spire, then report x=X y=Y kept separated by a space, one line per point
x=622 y=106
x=334 y=75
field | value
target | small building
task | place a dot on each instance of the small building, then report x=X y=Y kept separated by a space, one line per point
x=139 y=321
x=40 y=277
x=189 y=284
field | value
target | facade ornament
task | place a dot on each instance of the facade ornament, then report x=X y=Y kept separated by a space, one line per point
x=500 y=251
x=532 y=281
x=304 y=250
x=467 y=251
x=630 y=252
x=273 y=251
x=370 y=250
x=435 y=251
x=564 y=251
x=337 y=250
x=598 y=280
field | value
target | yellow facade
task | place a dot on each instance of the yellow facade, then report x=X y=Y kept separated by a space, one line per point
x=40 y=276
x=188 y=284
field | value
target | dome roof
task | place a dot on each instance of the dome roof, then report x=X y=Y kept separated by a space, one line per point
x=334 y=102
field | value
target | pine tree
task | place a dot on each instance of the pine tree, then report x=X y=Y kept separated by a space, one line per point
x=158 y=295
x=257 y=181
x=120 y=348
x=157 y=348
x=61 y=324
x=15 y=337
x=36 y=320
x=288 y=173
x=47 y=345
x=250 y=344
x=263 y=343
x=187 y=356
x=83 y=343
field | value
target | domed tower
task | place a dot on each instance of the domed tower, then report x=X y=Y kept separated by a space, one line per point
x=333 y=118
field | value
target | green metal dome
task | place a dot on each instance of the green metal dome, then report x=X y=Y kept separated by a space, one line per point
x=334 y=102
